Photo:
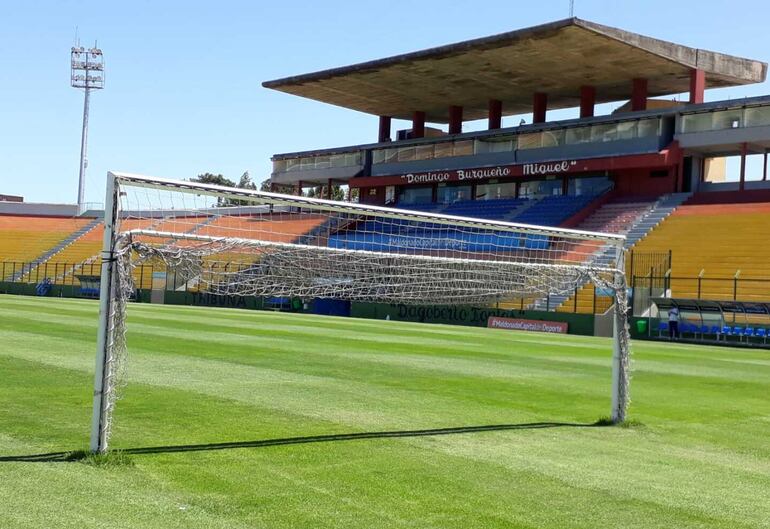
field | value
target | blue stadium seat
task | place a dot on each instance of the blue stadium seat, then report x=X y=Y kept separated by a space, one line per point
x=704 y=330
x=662 y=328
x=761 y=333
x=738 y=331
x=716 y=330
x=726 y=331
x=749 y=333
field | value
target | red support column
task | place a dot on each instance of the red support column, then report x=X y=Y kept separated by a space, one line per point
x=697 y=85
x=418 y=124
x=639 y=95
x=384 y=133
x=329 y=188
x=587 y=101
x=299 y=188
x=539 y=107
x=495 y=114
x=764 y=170
x=744 y=151
x=455 y=119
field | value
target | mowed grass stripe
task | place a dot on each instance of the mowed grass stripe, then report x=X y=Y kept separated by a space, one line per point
x=356 y=400
x=699 y=461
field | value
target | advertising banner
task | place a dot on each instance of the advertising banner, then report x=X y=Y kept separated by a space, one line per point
x=518 y=324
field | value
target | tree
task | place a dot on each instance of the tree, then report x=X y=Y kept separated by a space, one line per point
x=245 y=182
x=215 y=179
x=220 y=180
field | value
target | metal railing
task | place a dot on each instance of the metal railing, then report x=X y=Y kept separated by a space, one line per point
x=735 y=288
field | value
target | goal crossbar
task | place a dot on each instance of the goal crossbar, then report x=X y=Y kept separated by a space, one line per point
x=277 y=199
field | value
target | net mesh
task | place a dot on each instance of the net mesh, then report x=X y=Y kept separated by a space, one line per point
x=230 y=242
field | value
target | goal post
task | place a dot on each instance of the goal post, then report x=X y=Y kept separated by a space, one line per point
x=240 y=242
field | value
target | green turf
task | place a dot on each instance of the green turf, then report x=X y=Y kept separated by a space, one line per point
x=700 y=457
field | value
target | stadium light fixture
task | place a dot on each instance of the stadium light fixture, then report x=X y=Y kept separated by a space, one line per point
x=87 y=73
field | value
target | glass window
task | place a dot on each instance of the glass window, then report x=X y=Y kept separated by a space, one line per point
x=353 y=158
x=649 y=127
x=604 y=132
x=540 y=188
x=306 y=163
x=279 y=166
x=626 y=130
x=578 y=135
x=406 y=154
x=423 y=152
x=728 y=119
x=442 y=150
x=463 y=148
x=757 y=116
x=323 y=162
x=391 y=155
x=697 y=122
x=453 y=193
x=533 y=140
x=493 y=191
x=292 y=164
x=415 y=195
x=589 y=185
x=553 y=138
x=390 y=194
x=494 y=145
x=378 y=156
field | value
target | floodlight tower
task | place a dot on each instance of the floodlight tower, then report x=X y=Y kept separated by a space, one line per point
x=86 y=72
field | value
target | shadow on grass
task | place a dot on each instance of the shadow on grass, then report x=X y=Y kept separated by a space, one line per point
x=86 y=457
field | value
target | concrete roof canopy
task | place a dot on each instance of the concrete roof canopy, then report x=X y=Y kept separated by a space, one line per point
x=556 y=58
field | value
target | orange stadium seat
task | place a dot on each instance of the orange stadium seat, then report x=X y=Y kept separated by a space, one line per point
x=27 y=238
x=720 y=240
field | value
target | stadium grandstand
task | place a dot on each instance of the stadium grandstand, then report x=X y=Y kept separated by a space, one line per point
x=658 y=169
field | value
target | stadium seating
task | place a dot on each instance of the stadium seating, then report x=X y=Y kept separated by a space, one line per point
x=553 y=210
x=26 y=238
x=720 y=240
x=500 y=209
x=616 y=216
x=280 y=227
x=29 y=238
x=549 y=211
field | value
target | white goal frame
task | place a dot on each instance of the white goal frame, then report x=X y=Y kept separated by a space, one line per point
x=110 y=299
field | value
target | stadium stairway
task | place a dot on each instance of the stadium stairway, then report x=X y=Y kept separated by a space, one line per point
x=525 y=205
x=553 y=210
x=23 y=239
x=61 y=246
x=633 y=218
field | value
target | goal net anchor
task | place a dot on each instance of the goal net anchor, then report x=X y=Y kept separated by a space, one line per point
x=228 y=241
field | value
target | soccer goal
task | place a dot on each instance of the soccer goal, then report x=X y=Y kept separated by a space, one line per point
x=238 y=242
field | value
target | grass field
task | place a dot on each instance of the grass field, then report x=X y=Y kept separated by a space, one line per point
x=284 y=418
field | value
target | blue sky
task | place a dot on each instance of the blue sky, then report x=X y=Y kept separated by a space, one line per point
x=183 y=92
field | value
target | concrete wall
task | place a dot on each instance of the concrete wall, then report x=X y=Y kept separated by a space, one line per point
x=32 y=208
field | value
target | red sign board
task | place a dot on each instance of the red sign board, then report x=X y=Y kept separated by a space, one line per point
x=518 y=324
x=533 y=170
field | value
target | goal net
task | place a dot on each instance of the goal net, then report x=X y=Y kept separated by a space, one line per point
x=238 y=242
